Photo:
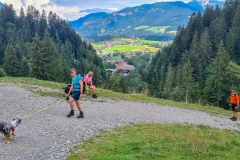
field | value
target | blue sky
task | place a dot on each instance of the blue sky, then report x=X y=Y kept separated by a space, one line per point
x=71 y=9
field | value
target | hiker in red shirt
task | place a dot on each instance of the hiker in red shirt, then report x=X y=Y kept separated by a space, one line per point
x=234 y=104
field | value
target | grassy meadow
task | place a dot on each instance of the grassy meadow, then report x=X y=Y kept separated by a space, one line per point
x=146 y=41
x=154 y=29
x=159 y=141
x=129 y=48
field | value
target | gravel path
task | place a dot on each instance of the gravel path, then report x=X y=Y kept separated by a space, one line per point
x=50 y=134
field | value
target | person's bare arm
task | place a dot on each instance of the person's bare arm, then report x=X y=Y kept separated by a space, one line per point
x=81 y=88
x=70 y=90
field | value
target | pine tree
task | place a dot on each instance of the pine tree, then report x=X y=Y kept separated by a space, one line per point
x=187 y=79
x=63 y=75
x=36 y=59
x=169 y=82
x=206 y=52
x=11 y=64
x=97 y=77
x=43 y=24
x=24 y=67
x=124 y=84
x=50 y=58
x=217 y=84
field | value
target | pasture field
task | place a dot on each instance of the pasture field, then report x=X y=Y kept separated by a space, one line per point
x=154 y=29
x=129 y=48
x=96 y=46
x=158 y=29
x=146 y=41
x=130 y=40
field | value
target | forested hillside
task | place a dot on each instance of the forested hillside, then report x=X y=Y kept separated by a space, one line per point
x=129 y=21
x=201 y=65
x=43 y=46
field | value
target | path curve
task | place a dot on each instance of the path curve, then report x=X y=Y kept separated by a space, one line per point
x=50 y=134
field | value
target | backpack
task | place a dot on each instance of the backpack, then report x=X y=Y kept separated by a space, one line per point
x=67 y=88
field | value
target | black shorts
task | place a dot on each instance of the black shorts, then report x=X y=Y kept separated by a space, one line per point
x=234 y=109
x=89 y=84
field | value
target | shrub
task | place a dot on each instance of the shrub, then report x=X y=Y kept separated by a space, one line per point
x=2 y=73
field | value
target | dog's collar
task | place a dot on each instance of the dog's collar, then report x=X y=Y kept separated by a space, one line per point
x=12 y=128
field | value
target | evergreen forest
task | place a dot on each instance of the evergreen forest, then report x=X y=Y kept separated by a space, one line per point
x=202 y=64
x=43 y=46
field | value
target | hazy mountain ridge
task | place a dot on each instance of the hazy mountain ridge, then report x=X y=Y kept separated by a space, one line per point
x=1 y=4
x=124 y=21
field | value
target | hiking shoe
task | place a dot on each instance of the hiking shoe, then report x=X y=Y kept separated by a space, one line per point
x=234 y=119
x=94 y=96
x=80 y=115
x=70 y=114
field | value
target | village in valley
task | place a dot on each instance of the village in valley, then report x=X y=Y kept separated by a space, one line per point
x=115 y=52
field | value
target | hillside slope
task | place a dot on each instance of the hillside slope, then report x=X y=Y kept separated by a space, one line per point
x=125 y=21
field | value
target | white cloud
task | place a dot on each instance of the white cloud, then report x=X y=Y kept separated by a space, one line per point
x=69 y=9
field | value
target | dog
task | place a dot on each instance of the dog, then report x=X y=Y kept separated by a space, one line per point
x=66 y=90
x=7 y=129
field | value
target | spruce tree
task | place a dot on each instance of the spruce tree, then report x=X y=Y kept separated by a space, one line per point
x=50 y=58
x=36 y=59
x=42 y=24
x=11 y=64
x=206 y=52
x=217 y=84
x=169 y=82
x=187 y=79
x=24 y=67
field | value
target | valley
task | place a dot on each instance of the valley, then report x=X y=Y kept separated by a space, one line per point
x=128 y=47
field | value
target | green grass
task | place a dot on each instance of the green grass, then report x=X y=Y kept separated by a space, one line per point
x=129 y=48
x=123 y=40
x=116 y=95
x=96 y=46
x=158 y=29
x=146 y=41
x=154 y=29
x=159 y=141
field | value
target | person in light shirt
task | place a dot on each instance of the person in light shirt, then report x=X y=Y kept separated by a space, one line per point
x=88 y=82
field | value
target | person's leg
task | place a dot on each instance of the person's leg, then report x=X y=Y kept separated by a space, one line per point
x=79 y=108
x=78 y=105
x=71 y=102
x=93 y=89
x=233 y=113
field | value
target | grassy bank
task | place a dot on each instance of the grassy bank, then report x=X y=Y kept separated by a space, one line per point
x=115 y=95
x=158 y=141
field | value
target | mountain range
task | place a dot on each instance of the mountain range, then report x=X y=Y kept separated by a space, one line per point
x=157 y=19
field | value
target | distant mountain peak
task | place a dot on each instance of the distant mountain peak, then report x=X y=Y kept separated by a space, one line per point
x=1 y=4
x=204 y=3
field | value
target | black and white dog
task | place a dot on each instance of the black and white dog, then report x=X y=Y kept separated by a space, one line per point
x=66 y=90
x=7 y=129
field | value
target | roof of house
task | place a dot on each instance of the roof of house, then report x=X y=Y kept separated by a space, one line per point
x=126 y=67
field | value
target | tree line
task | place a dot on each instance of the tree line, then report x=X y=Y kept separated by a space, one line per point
x=201 y=65
x=43 y=46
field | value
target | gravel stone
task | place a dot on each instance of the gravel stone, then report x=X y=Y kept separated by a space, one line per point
x=49 y=134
